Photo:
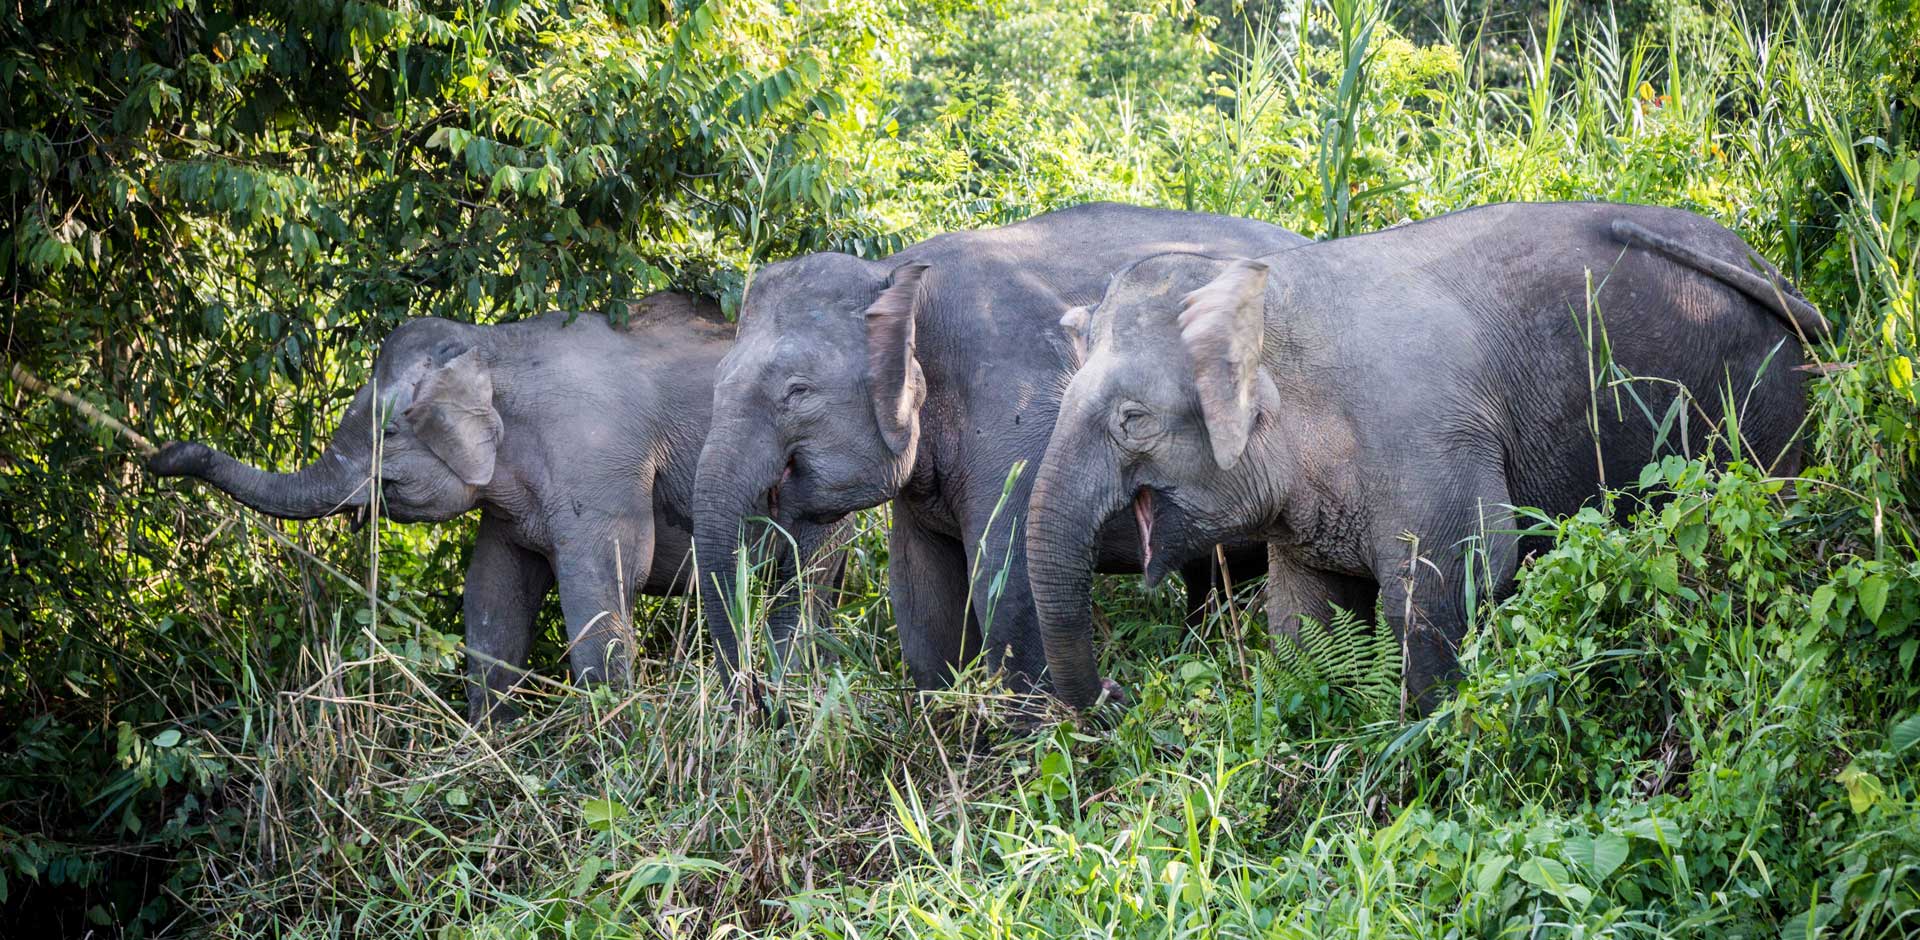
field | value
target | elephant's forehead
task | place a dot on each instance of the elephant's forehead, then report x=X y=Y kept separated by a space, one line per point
x=1143 y=303
x=819 y=285
x=776 y=318
x=816 y=344
x=1141 y=362
x=1138 y=321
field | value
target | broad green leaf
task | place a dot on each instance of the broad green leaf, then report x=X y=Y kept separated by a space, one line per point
x=589 y=873
x=601 y=815
x=1873 y=596
x=1599 y=855
x=1904 y=734
x=1822 y=602
x=1665 y=572
x=1543 y=872
x=1552 y=876
x=1655 y=829
x=1488 y=877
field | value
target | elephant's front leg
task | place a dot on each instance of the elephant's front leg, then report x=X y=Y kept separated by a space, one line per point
x=504 y=589
x=1001 y=599
x=1295 y=591
x=799 y=555
x=598 y=572
x=927 y=582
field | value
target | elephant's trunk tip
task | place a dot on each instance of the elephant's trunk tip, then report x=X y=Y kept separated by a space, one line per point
x=181 y=459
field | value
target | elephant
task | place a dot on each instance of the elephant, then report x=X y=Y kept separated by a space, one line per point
x=1374 y=406
x=574 y=436
x=923 y=379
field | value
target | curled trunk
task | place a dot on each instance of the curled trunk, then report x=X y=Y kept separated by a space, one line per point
x=339 y=481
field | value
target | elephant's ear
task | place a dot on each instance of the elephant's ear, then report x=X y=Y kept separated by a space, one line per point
x=1078 y=324
x=1223 y=326
x=452 y=413
x=894 y=379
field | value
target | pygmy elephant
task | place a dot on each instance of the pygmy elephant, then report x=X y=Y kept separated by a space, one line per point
x=1373 y=406
x=575 y=437
x=924 y=379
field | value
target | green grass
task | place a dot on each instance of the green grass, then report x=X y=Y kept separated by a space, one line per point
x=1703 y=723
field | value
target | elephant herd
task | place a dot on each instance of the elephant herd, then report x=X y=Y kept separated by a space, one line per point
x=1106 y=388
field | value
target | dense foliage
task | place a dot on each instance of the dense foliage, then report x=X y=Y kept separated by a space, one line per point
x=1705 y=722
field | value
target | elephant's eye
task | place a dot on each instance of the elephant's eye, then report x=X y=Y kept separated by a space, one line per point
x=795 y=392
x=1137 y=424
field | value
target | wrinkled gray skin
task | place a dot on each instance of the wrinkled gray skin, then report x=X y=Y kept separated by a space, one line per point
x=922 y=379
x=576 y=441
x=1364 y=402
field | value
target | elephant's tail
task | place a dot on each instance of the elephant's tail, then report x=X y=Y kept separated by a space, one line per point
x=1766 y=288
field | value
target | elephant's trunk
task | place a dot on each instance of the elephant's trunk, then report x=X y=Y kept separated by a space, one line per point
x=1071 y=502
x=731 y=485
x=339 y=481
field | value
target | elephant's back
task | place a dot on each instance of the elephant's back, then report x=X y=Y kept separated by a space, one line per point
x=997 y=295
x=672 y=312
x=1535 y=332
x=1585 y=337
x=1070 y=253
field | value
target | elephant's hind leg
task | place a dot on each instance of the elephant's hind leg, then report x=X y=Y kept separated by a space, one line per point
x=1203 y=576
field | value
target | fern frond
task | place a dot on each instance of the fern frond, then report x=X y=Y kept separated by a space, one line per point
x=1348 y=657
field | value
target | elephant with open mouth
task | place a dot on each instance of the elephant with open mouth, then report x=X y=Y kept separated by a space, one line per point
x=924 y=379
x=1371 y=407
x=577 y=440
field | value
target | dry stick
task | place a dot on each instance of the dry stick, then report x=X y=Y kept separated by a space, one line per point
x=95 y=416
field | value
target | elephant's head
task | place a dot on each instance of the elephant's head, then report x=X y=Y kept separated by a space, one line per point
x=816 y=413
x=1159 y=422
x=427 y=419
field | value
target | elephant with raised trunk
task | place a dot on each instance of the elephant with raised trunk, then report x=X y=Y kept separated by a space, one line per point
x=924 y=379
x=1373 y=406
x=575 y=438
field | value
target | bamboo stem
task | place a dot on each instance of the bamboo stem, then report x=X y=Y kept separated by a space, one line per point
x=34 y=383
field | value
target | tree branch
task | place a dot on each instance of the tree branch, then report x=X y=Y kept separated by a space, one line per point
x=95 y=416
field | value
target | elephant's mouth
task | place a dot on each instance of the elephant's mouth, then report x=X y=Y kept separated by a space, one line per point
x=1167 y=534
x=773 y=492
x=1143 y=517
x=364 y=507
x=1157 y=514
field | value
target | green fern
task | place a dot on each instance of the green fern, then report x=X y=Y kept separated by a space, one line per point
x=1347 y=659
